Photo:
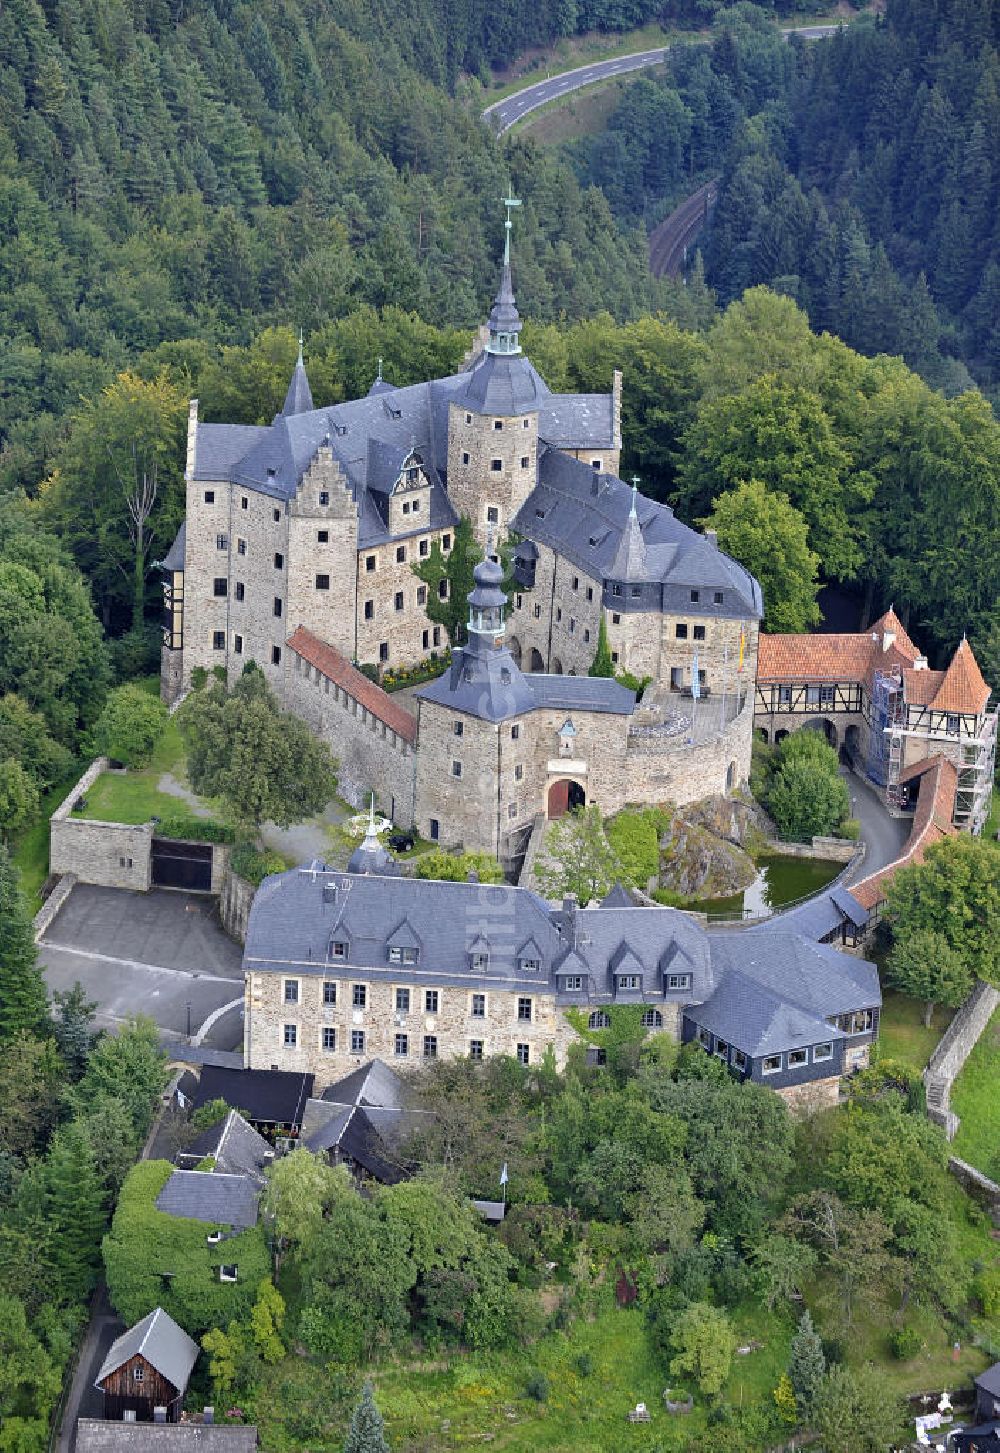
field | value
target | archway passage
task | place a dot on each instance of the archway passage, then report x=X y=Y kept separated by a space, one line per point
x=557 y=667
x=825 y=725
x=514 y=647
x=535 y=662
x=564 y=796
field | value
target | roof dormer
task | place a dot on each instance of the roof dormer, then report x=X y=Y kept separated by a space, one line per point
x=479 y=954
x=403 y=945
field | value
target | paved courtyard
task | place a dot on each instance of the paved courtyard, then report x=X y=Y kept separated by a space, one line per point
x=159 y=953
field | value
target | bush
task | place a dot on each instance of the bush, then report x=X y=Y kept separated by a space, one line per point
x=584 y=1364
x=849 y=829
x=195 y=829
x=456 y=867
x=129 y=726
x=199 y=678
x=537 y=1387
x=634 y=835
x=254 y=863
x=905 y=1343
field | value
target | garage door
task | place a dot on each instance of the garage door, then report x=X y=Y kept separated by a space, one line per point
x=182 y=865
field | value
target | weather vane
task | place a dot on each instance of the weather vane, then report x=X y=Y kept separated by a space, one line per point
x=510 y=202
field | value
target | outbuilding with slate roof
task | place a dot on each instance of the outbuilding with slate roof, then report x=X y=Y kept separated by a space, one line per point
x=146 y=1368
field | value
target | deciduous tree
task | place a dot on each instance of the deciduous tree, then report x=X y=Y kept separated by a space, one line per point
x=704 y=1343
x=924 y=964
x=769 y=537
x=577 y=858
x=129 y=726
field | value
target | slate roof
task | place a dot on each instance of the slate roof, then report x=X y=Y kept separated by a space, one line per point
x=236 y=1147
x=219 y=1200
x=298 y=399
x=174 y=558
x=584 y=515
x=758 y=1021
x=161 y=1342
x=336 y=668
x=269 y=1096
x=577 y=421
x=815 y=977
x=853 y=657
x=989 y=1380
x=373 y=1084
x=369 y=1137
x=95 y=1435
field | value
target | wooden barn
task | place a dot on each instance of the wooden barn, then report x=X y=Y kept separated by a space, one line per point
x=147 y=1368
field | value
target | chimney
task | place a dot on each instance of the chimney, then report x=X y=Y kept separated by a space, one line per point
x=616 y=409
x=888 y=639
x=713 y=539
x=192 y=435
x=920 y=664
x=159 y=1415
x=472 y=876
x=208 y=1416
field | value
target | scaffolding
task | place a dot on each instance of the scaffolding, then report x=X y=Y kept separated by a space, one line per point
x=975 y=778
x=885 y=745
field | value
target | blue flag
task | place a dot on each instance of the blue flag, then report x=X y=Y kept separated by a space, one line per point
x=695 y=682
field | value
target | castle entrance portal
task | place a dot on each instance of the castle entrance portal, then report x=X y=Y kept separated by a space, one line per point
x=564 y=796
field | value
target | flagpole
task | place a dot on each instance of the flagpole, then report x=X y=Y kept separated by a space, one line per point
x=725 y=680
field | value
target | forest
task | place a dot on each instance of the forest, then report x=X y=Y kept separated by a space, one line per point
x=859 y=176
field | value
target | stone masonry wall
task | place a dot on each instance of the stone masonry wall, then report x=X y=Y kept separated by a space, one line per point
x=475 y=442
x=236 y=896
x=466 y=806
x=954 y=1048
x=110 y=854
x=369 y=754
x=404 y=631
x=682 y=774
x=453 y=1025
x=322 y=555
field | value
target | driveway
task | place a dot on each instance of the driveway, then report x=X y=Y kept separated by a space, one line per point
x=159 y=953
x=882 y=835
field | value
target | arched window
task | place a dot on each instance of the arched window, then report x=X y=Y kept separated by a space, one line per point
x=652 y=1019
x=599 y=1020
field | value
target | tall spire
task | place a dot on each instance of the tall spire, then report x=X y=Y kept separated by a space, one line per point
x=298 y=399
x=632 y=514
x=505 y=321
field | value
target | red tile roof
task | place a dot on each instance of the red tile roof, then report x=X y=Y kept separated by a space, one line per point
x=932 y=821
x=963 y=689
x=921 y=687
x=853 y=657
x=336 y=668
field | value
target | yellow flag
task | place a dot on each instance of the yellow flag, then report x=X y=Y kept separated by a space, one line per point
x=743 y=642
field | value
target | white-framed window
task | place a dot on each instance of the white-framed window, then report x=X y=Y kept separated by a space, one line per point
x=329 y=1038
x=524 y=1010
x=359 y=995
x=138 y=1374
x=600 y=1019
x=401 y=1046
x=402 y=1001
x=430 y=1046
x=478 y=1006
x=822 y=1052
x=229 y=1271
x=402 y=955
x=291 y=1036
x=357 y=1041
x=678 y=981
x=771 y=1064
x=329 y=991
x=531 y=966
x=338 y=949
x=572 y=983
x=431 y=1000
x=475 y=1049
x=291 y=991
x=797 y=1058
x=652 y=1019
x=628 y=981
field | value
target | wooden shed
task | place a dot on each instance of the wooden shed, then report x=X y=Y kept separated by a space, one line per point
x=147 y=1368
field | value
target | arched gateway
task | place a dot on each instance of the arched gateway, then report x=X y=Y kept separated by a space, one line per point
x=564 y=796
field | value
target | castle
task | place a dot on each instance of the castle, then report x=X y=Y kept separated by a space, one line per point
x=297 y=553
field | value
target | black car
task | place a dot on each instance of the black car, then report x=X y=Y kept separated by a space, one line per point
x=401 y=842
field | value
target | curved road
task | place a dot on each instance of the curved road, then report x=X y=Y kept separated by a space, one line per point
x=502 y=115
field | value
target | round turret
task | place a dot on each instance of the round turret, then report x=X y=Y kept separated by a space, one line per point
x=487 y=600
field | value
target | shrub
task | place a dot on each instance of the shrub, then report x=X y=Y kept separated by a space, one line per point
x=129 y=726
x=199 y=678
x=584 y=1364
x=634 y=835
x=849 y=829
x=254 y=863
x=195 y=829
x=137 y=653
x=537 y=1387
x=905 y=1343
x=456 y=867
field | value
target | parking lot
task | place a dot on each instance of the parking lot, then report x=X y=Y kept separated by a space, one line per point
x=159 y=953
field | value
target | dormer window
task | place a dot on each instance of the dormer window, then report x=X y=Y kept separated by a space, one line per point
x=531 y=966
x=628 y=981
x=338 y=949
x=678 y=981
x=480 y=962
x=402 y=955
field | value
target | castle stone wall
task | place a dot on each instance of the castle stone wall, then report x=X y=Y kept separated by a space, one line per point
x=475 y=442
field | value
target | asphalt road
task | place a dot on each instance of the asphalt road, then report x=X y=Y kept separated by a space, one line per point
x=883 y=835
x=147 y=953
x=502 y=115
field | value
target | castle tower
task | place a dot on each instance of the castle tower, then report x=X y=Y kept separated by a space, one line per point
x=493 y=420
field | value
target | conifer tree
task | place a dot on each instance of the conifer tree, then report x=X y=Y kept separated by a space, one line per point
x=367 y=1433
x=807 y=1365
x=75 y=1205
x=22 y=990
x=602 y=664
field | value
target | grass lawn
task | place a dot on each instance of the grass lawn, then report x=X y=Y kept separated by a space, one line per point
x=31 y=846
x=993 y=824
x=902 y=1033
x=134 y=797
x=975 y=1098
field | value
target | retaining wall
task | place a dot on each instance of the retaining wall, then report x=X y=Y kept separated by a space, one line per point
x=956 y=1044
x=978 y=1186
x=110 y=854
x=829 y=849
x=235 y=897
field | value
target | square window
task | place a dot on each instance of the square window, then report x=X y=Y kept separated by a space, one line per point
x=279 y=560
x=475 y=1049
x=383 y=651
x=435 y=830
x=275 y=655
x=402 y=1001
x=369 y=563
x=238 y=645
x=771 y=1064
x=329 y=1037
x=229 y=1272
x=572 y=983
x=400 y=554
x=523 y=1054
x=699 y=633
x=430 y=1001
x=222 y=542
x=218 y=640
x=220 y=586
x=524 y=1010
x=357 y=1041
x=338 y=949
x=681 y=631
x=595 y=464
x=291 y=1035
x=636 y=592
x=322 y=582
x=323 y=536
x=244 y=502
x=277 y=605
x=241 y=547
x=291 y=991
x=359 y=995
x=430 y=1046
x=458 y=727
x=138 y=1373
x=210 y=496
x=465 y=457
x=456 y=769
x=496 y=465
x=498 y=424
x=822 y=1052
x=240 y=590
x=479 y=1006
x=324 y=497
x=329 y=991
x=369 y=610
x=401 y=1046
x=718 y=597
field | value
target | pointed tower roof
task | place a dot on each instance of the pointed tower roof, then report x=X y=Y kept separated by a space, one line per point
x=630 y=557
x=370 y=856
x=298 y=399
x=963 y=688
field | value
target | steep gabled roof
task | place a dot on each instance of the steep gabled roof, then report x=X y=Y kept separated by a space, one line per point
x=962 y=689
x=932 y=821
x=373 y=1084
x=853 y=657
x=219 y=1200
x=161 y=1342
x=298 y=399
x=235 y=1146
